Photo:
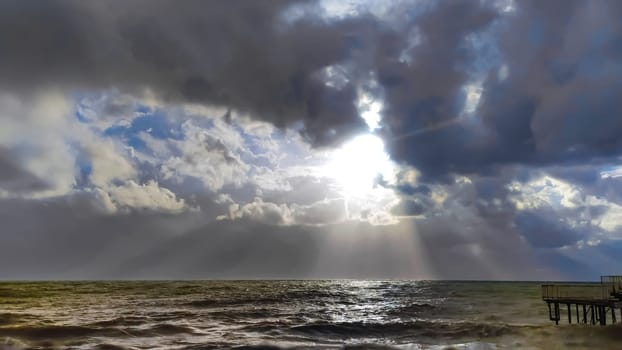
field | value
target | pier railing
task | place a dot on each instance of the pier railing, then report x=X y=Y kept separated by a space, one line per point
x=579 y=291
x=614 y=284
x=592 y=301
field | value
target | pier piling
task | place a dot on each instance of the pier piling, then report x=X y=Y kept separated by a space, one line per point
x=577 y=312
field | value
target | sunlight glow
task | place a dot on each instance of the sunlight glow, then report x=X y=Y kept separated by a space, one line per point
x=370 y=108
x=359 y=164
x=473 y=94
x=372 y=115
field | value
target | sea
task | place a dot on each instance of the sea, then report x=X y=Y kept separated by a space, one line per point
x=333 y=314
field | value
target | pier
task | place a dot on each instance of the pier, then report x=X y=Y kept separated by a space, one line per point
x=586 y=303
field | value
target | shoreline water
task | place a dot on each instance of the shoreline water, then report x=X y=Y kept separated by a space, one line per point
x=287 y=314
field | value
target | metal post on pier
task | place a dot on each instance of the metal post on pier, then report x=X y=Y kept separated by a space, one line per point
x=576 y=306
x=603 y=316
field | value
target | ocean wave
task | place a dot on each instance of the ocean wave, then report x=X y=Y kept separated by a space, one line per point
x=211 y=303
x=427 y=329
x=106 y=346
x=291 y=296
x=121 y=321
x=316 y=294
x=276 y=347
x=237 y=315
x=57 y=332
x=169 y=329
x=612 y=332
x=12 y=344
x=411 y=309
x=258 y=347
x=8 y=318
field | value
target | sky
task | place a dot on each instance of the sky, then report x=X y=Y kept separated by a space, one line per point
x=372 y=139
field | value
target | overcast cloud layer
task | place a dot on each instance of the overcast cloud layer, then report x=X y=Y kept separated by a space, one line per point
x=198 y=139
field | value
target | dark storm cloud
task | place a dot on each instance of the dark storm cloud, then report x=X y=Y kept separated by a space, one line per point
x=482 y=214
x=421 y=92
x=589 y=177
x=568 y=267
x=459 y=250
x=545 y=230
x=239 y=54
x=409 y=207
x=559 y=103
x=69 y=237
x=14 y=178
x=74 y=241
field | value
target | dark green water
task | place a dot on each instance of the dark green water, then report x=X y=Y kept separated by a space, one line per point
x=287 y=314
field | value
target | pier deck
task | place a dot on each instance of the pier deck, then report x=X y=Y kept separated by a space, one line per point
x=592 y=301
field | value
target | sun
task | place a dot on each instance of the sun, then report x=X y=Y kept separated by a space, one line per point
x=358 y=164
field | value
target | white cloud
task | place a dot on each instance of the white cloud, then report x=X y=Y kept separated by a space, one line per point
x=147 y=196
x=545 y=191
x=562 y=197
x=35 y=129
x=260 y=211
x=327 y=211
x=408 y=176
x=611 y=220
x=43 y=135
x=323 y=212
x=108 y=109
x=107 y=162
x=208 y=156
x=613 y=172
x=271 y=179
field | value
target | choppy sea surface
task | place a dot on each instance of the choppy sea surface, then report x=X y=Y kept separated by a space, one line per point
x=286 y=314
